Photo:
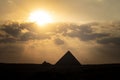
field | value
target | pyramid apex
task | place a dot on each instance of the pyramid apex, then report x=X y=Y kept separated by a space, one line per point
x=68 y=51
x=46 y=63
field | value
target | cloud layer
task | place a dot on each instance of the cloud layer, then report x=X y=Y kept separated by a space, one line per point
x=90 y=43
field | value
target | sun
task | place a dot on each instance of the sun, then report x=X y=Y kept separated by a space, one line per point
x=40 y=17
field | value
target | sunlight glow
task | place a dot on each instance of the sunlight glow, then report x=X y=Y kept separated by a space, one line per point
x=40 y=17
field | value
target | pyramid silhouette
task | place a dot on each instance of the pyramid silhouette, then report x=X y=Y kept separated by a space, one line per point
x=68 y=59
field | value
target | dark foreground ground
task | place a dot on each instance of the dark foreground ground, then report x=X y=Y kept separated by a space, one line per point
x=42 y=72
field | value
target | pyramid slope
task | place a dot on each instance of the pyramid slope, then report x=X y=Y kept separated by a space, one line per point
x=68 y=59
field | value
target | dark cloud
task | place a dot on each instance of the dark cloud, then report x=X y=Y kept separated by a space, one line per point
x=8 y=40
x=33 y=36
x=1 y=36
x=110 y=40
x=58 y=41
x=13 y=32
x=12 y=29
x=86 y=33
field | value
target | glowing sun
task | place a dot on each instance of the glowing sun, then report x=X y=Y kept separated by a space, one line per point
x=40 y=17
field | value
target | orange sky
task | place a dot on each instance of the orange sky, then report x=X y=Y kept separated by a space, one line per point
x=63 y=10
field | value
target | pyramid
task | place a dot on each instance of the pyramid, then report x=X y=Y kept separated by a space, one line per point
x=68 y=60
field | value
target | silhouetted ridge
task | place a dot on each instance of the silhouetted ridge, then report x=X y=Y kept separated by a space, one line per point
x=68 y=59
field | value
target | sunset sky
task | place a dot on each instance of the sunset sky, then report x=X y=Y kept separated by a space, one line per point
x=62 y=10
x=90 y=29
